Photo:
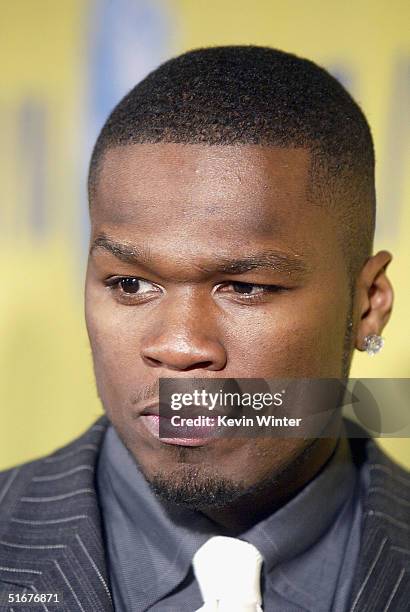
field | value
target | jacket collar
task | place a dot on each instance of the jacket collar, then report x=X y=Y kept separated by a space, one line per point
x=52 y=540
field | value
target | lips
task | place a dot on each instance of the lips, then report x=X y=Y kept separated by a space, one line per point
x=155 y=424
x=152 y=409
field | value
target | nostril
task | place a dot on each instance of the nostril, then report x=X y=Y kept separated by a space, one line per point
x=152 y=361
x=200 y=364
x=181 y=366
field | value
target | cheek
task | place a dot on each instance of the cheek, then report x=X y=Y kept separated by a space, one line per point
x=296 y=340
x=114 y=345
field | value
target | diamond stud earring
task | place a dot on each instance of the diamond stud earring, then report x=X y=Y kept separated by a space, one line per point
x=373 y=344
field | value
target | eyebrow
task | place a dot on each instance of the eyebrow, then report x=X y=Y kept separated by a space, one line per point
x=279 y=261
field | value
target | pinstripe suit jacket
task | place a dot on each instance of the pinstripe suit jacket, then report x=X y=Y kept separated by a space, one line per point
x=51 y=538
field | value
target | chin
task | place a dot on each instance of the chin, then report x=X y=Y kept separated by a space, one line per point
x=196 y=487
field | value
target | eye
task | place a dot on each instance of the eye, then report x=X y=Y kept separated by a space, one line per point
x=250 y=291
x=248 y=288
x=131 y=287
x=134 y=285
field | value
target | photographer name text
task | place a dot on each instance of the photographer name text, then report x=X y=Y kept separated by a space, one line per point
x=225 y=421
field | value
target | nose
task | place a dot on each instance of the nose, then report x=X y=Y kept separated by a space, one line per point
x=184 y=339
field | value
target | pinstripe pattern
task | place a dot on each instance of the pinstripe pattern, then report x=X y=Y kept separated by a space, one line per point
x=19 y=569
x=50 y=526
x=369 y=573
x=53 y=498
x=43 y=605
x=33 y=546
x=64 y=456
x=69 y=586
x=390 y=519
x=394 y=591
x=7 y=485
x=388 y=470
x=385 y=537
x=395 y=498
x=97 y=571
x=65 y=519
x=62 y=474
x=405 y=551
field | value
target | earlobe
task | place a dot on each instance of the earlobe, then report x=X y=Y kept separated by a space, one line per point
x=375 y=299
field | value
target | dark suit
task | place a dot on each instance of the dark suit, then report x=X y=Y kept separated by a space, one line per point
x=51 y=536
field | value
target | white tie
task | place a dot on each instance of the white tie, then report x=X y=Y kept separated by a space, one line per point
x=228 y=573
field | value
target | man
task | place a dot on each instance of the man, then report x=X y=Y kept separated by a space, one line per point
x=232 y=214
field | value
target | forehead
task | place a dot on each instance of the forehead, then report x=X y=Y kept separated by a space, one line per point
x=192 y=204
x=230 y=184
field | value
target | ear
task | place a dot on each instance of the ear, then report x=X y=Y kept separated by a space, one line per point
x=374 y=297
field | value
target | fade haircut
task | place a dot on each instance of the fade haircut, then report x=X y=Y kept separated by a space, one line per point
x=238 y=95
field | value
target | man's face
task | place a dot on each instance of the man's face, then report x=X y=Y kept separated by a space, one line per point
x=166 y=296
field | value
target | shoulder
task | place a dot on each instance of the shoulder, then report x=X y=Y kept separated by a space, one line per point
x=384 y=557
x=16 y=481
x=388 y=494
x=383 y=472
x=385 y=468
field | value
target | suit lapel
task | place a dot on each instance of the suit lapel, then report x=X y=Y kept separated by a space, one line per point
x=382 y=581
x=382 y=576
x=52 y=542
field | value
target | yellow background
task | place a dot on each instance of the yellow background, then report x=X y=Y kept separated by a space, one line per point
x=47 y=392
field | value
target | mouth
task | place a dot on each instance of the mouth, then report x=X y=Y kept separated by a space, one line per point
x=164 y=428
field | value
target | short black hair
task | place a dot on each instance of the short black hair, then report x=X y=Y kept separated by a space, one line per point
x=235 y=95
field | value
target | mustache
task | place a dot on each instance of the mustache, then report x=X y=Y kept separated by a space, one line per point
x=146 y=393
